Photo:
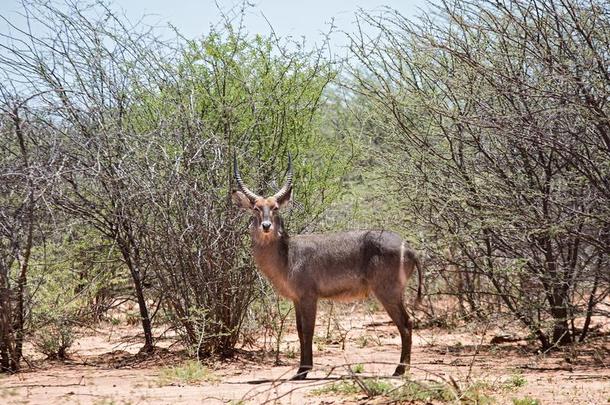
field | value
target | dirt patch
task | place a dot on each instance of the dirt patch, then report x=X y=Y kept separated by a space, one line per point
x=105 y=368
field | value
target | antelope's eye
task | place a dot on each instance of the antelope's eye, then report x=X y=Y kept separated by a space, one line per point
x=275 y=208
x=256 y=208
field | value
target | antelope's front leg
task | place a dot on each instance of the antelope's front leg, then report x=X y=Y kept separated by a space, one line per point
x=305 y=310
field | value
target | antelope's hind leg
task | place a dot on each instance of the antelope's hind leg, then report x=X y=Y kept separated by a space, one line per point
x=403 y=322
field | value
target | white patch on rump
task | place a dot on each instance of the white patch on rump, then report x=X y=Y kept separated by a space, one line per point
x=402 y=277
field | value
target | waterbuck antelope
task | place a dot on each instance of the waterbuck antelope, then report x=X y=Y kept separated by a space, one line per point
x=338 y=266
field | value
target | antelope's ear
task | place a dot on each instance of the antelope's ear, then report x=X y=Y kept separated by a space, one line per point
x=282 y=202
x=241 y=200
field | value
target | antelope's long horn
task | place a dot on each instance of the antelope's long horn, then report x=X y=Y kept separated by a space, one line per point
x=288 y=184
x=242 y=187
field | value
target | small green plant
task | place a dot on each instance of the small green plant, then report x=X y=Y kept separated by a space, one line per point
x=190 y=372
x=527 y=401
x=375 y=387
x=476 y=393
x=362 y=341
x=341 y=387
x=413 y=391
x=516 y=380
x=358 y=368
x=371 y=387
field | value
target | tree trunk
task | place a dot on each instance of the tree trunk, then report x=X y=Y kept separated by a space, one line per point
x=557 y=294
x=559 y=311
x=8 y=358
x=24 y=261
x=590 y=303
x=146 y=323
x=137 y=284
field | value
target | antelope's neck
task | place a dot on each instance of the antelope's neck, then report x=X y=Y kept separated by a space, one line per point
x=271 y=258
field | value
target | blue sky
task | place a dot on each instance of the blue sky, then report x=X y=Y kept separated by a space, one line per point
x=288 y=18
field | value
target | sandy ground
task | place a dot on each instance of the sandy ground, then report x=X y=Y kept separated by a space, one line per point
x=104 y=369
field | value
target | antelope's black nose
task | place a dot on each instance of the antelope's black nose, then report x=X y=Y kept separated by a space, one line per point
x=266 y=225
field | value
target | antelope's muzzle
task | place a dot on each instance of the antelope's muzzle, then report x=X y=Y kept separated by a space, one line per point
x=266 y=225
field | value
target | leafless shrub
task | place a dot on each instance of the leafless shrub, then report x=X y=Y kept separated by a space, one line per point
x=140 y=131
x=495 y=119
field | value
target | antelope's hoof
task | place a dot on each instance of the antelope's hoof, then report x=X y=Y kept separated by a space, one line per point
x=301 y=374
x=400 y=370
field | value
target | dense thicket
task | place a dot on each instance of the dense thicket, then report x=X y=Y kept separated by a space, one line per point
x=118 y=141
x=495 y=122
